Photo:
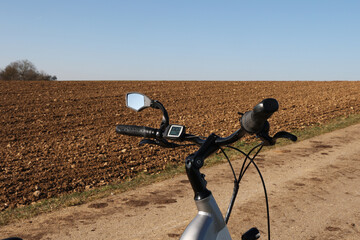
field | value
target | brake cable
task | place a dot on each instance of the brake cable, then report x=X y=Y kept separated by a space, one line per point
x=242 y=172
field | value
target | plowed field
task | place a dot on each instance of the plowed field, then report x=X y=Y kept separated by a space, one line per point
x=58 y=137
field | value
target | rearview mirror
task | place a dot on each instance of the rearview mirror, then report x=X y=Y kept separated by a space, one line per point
x=137 y=101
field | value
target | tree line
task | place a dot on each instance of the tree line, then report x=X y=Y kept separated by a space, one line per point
x=24 y=70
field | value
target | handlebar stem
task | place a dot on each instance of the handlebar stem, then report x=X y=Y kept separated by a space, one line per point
x=195 y=161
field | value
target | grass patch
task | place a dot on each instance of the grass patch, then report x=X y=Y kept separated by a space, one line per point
x=337 y=123
x=73 y=199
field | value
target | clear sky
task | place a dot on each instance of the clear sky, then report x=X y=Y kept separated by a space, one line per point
x=184 y=40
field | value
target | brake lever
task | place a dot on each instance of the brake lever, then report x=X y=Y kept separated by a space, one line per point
x=269 y=141
x=283 y=134
x=162 y=143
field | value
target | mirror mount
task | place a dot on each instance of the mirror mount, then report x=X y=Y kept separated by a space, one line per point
x=165 y=120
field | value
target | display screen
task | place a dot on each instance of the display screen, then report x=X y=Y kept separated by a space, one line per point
x=175 y=131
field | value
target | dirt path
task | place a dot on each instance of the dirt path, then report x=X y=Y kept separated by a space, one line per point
x=313 y=189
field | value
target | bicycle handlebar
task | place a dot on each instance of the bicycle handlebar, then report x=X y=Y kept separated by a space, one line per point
x=138 y=131
x=251 y=122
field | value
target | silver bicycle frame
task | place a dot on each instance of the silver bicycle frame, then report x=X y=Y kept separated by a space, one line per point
x=208 y=224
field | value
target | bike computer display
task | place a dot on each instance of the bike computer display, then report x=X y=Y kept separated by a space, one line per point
x=174 y=131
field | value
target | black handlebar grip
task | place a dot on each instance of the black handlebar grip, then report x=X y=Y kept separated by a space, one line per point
x=253 y=121
x=138 y=131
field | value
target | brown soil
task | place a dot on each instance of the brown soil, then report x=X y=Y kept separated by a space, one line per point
x=59 y=137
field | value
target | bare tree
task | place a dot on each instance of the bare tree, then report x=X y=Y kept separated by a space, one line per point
x=27 y=70
x=9 y=73
x=24 y=70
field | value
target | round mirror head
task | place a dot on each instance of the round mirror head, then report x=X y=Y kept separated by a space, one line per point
x=137 y=101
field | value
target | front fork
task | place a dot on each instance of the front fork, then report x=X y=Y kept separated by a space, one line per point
x=208 y=224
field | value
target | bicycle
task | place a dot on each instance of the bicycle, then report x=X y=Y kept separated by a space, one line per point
x=209 y=223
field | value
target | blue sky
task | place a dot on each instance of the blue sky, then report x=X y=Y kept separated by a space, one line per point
x=184 y=40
